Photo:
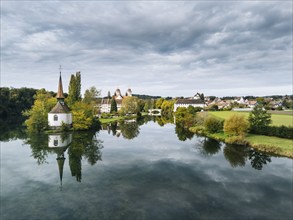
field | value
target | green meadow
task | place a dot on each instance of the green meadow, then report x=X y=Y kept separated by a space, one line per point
x=278 y=119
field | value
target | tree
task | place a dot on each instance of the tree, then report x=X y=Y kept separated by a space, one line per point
x=91 y=95
x=14 y=101
x=38 y=114
x=78 y=86
x=82 y=116
x=130 y=105
x=236 y=124
x=109 y=95
x=113 y=106
x=259 y=119
x=74 y=89
x=167 y=108
x=213 y=124
x=159 y=103
x=184 y=118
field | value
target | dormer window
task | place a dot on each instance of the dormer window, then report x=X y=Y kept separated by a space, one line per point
x=55 y=117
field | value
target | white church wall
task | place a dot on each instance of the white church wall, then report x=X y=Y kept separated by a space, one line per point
x=55 y=140
x=62 y=117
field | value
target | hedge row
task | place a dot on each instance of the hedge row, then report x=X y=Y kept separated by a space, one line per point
x=278 y=131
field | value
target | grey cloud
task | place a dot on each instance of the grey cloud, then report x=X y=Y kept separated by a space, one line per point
x=176 y=44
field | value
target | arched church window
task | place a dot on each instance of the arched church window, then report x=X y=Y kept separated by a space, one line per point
x=55 y=117
x=55 y=142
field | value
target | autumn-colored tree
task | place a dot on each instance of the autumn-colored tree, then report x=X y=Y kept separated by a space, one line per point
x=236 y=125
x=82 y=116
x=38 y=114
x=159 y=103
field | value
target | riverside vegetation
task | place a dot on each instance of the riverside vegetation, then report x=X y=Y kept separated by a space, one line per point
x=259 y=129
x=255 y=130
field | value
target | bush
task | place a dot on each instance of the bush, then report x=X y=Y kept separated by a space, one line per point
x=213 y=125
x=65 y=127
x=278 y=131
x=236 y=125
x=198 y=130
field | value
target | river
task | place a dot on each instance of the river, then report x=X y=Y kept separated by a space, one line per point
x=139 y=171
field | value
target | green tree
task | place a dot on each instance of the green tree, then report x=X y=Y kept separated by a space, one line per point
x=74 y=89
x=14 y=101
x=113 y=106
x=38 y=114
x=184 y=118
x=213 y=124
x=146 y=106
x=78 y=86
x=236 y=125
x=159 y=103
x=167 y=108
x=130 y=105
x=259 y=119
x=83 y=118
x=91 y=95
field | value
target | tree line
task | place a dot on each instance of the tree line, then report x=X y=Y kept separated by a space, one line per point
x=14 y=101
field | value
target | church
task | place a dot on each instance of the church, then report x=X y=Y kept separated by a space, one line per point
x=105 y=106
x=60 y=113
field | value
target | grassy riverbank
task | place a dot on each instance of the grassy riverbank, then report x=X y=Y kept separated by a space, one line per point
x=275 y=145
x=278 y=118
x=119 y=118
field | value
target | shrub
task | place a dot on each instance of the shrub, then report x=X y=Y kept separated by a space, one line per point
x=236 y=125
x=278 y=131
x=65 y=127
x=213 y=125
x=198 y=130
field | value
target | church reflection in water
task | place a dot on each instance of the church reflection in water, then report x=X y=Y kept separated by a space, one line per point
x=78 y=146
x=59 y=144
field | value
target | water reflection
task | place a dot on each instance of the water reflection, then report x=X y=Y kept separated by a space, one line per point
x=128 y=128
x=58 y=143
x=77 y=145
x=11 y=129
x=183 y=133
x=257 y=159
x=209 y=147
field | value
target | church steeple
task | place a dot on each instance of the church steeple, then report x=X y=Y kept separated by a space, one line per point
x=60 y=161
x=60 y=95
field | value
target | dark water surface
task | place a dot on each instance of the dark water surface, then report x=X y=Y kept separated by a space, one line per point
x=146 y=172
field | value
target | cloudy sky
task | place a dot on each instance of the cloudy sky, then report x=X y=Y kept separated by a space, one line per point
x=167 y=48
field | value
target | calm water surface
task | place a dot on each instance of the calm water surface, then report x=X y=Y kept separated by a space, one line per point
x=146 y=172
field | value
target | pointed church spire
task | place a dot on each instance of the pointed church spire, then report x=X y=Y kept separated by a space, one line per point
x=60 y=94
x=60 y=161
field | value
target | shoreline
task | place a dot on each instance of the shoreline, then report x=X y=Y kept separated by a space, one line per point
x=259 y=142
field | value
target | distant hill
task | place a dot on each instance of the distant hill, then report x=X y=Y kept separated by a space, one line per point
x=146 y=96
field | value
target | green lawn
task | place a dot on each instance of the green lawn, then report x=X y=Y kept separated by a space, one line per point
x=277 y=119
x=279 y=146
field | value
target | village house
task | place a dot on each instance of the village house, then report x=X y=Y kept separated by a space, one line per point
x=195 y=101
x=105 y=106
